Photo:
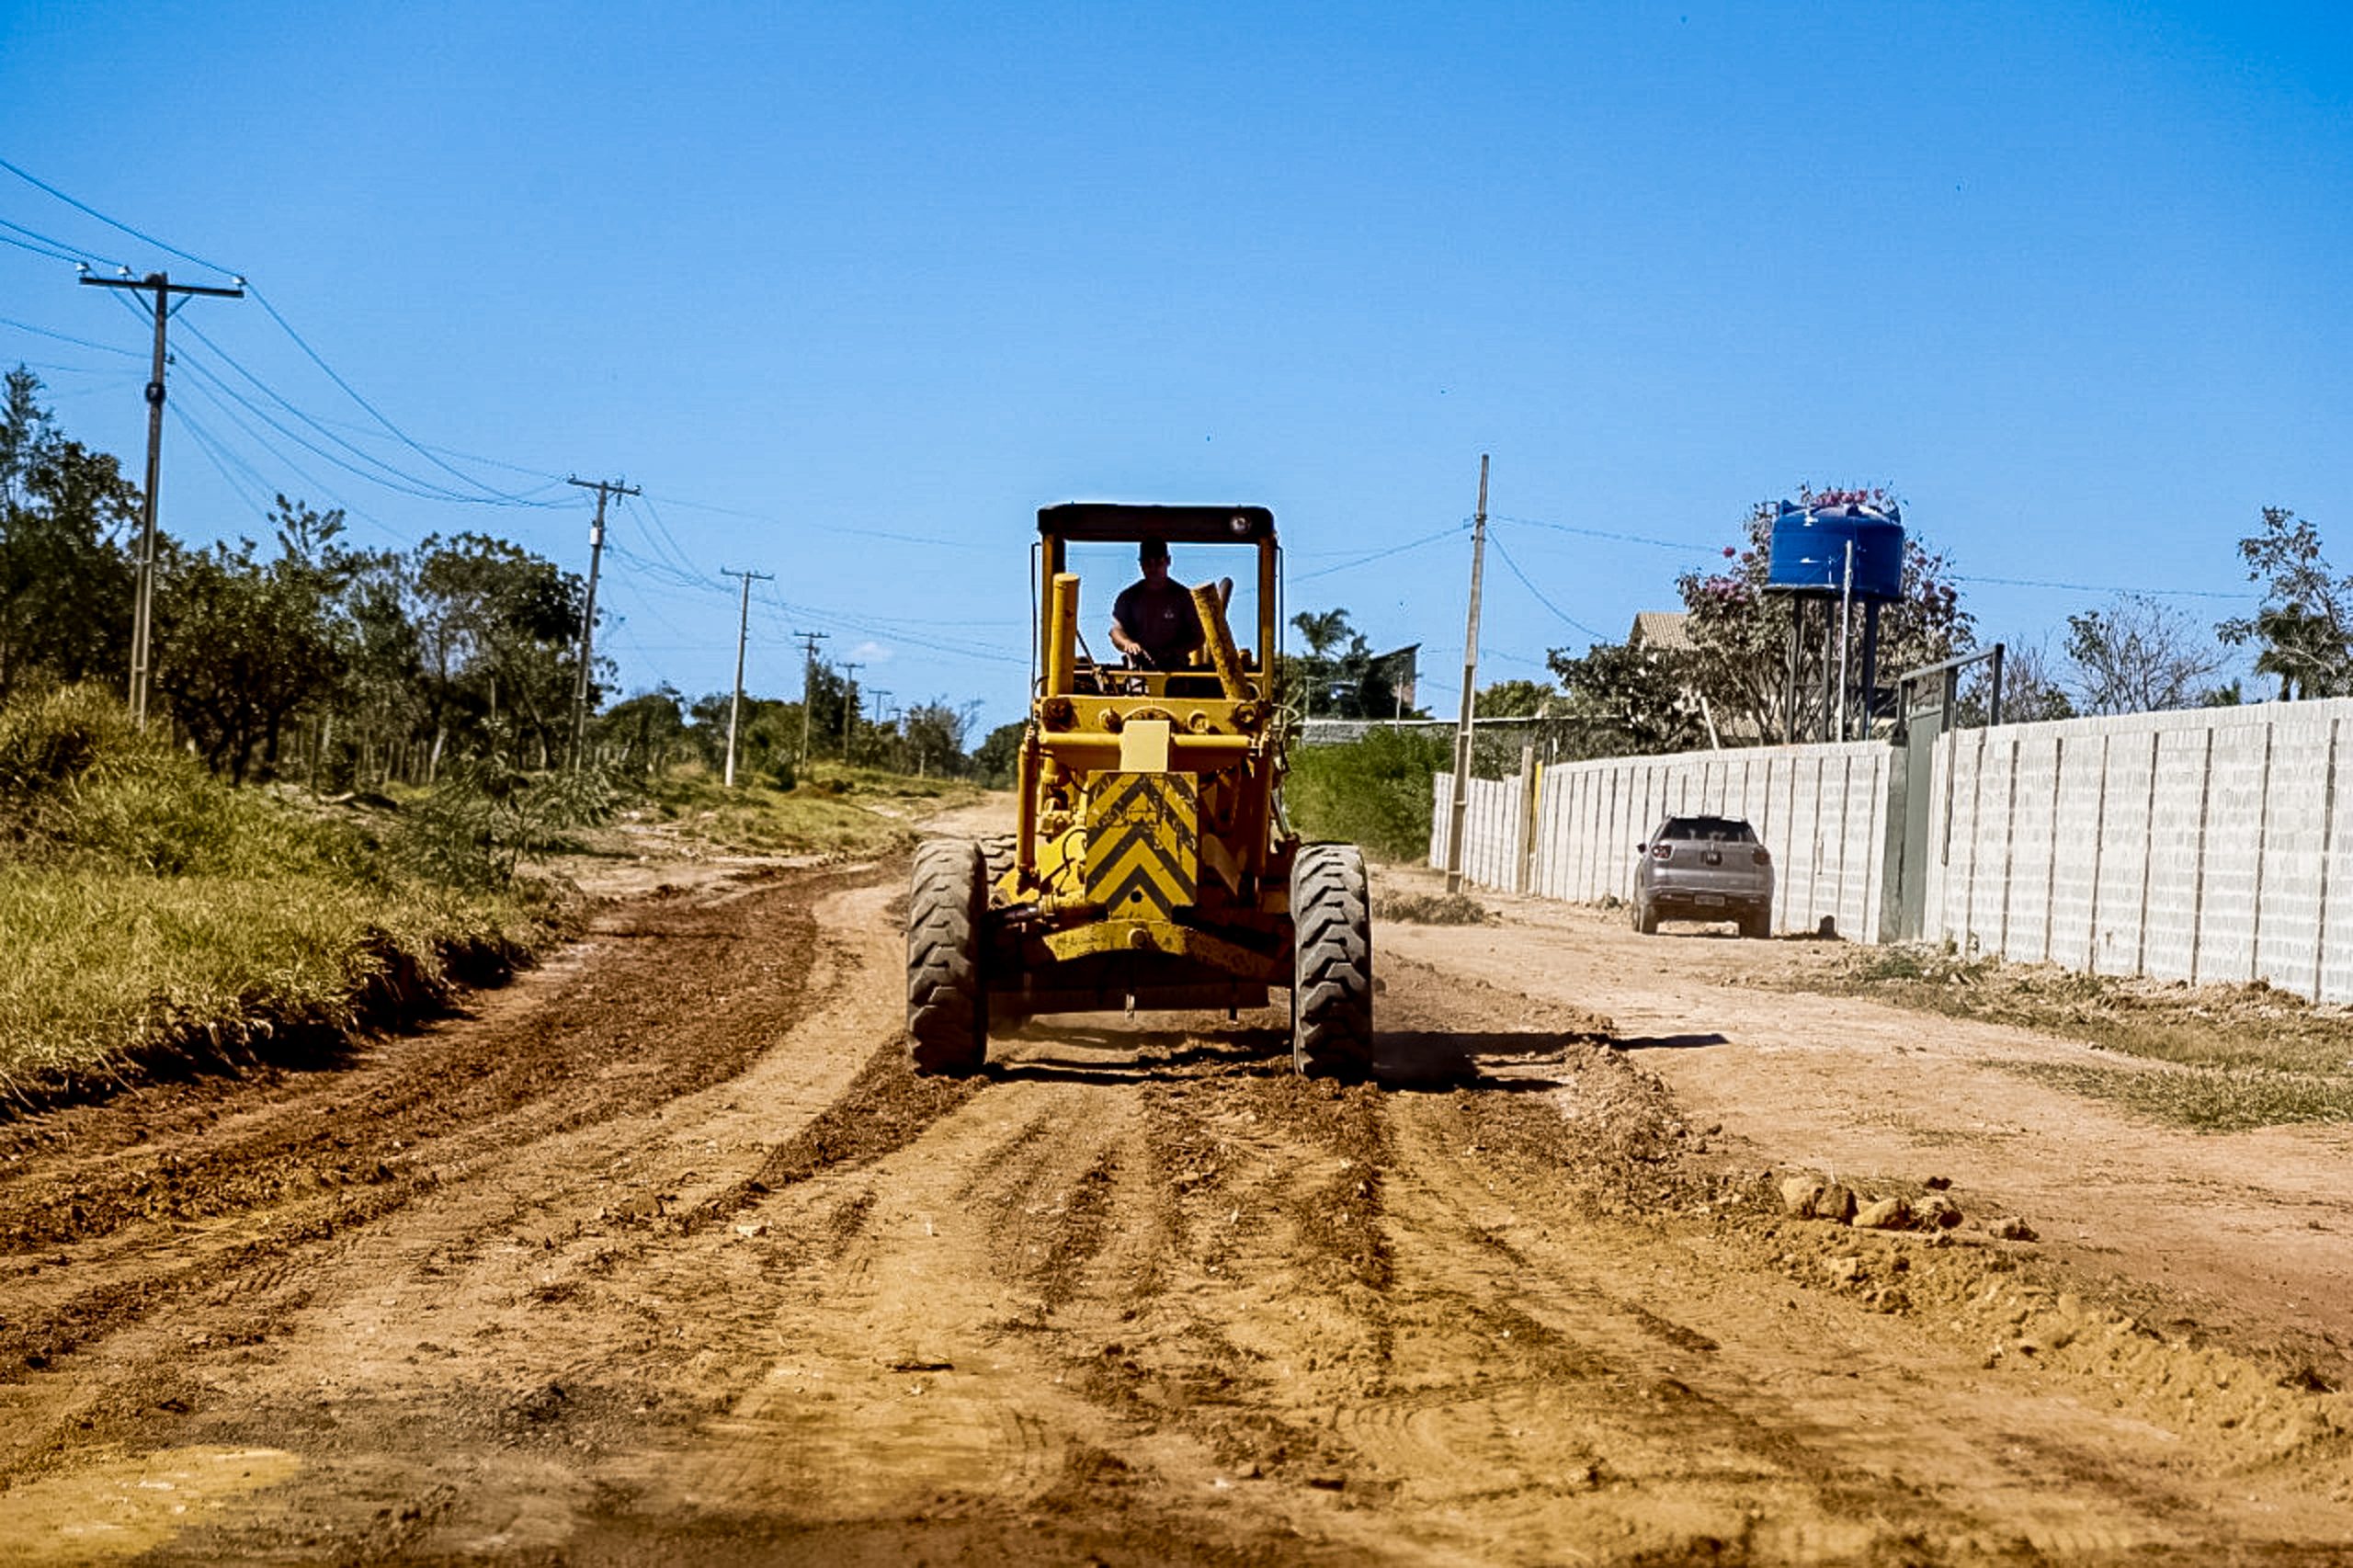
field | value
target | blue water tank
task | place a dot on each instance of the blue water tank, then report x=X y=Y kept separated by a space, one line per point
x=1809 y=553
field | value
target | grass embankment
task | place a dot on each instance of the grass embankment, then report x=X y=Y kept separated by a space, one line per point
x=150 y=916
x=2217 y=1058
x=831 y=811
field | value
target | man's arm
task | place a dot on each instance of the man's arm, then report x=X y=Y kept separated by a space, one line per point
x=1119 y=636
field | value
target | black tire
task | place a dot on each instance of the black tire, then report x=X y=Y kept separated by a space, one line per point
x=997 y=856
x=947 y=1019
x=1756 y=927
x=1645 y=919
x=1331 y=993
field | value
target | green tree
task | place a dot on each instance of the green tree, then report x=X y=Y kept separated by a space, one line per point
x=499 y=632
x=646 y=735
x=1339 y=676
x=999 y=754
x=65 y=576
x=934 y=733
x=242 y=645
x=1623 y=700
x=1514 y=699
x=2304 y=628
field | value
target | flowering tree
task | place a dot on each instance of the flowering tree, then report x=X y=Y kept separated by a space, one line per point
x=1755 y=685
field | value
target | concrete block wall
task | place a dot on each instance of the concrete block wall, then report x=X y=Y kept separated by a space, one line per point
x=1492 y=831
x=2207 y=845
x=2204 y=846
x=1820 y=809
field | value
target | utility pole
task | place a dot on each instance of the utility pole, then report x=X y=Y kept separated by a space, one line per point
x=604 y=488
x=1461 y=807
x=808 y=640
x=849 y=706
x=882 y=696
x=143 y=604
x=743 y=625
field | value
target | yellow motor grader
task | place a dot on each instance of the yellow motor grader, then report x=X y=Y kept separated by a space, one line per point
x=1152 y=866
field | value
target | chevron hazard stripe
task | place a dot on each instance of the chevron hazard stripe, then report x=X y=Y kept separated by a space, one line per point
x=1143 y=844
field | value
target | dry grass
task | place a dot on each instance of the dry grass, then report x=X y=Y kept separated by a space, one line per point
x=1430 y=908
x=2218 y=1057
x=149 y=913
x=832 y=810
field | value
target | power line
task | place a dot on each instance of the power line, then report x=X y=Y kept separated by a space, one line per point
x=853 y=528
x=1541 y=598
x=42 y=246
x=221 y=458
x=1608 y=534
x=404 y=437
x=68 y=338
x=400 y=483
x=1368 y=559
x=310 y=481
x=85 y=206
x=2096 y=588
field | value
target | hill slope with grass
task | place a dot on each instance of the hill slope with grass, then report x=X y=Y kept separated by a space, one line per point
x=150 y=914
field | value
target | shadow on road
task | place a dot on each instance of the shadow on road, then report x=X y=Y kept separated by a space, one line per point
x=1670 y=1042
x=1409 y=1060
x=1455 y=1059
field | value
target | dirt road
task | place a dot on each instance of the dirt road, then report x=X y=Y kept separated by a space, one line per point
x=663 y=1256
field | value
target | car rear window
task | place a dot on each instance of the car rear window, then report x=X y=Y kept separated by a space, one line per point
x=1709 y=830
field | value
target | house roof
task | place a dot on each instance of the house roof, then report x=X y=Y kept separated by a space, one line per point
x=1659 y=629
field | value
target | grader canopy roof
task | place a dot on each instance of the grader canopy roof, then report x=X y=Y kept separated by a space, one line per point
x=1110 y=522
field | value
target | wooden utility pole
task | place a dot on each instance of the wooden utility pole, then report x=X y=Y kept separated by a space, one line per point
x=143 y=604
x=604 y=488
x=808 y=640
x=850 y=705
x=743 y=625
x=1460 y=808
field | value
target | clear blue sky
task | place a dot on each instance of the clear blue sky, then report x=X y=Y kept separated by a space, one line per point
x=829 y=281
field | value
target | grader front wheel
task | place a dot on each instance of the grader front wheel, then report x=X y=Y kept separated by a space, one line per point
x=947 y=1001
x=1331 y=995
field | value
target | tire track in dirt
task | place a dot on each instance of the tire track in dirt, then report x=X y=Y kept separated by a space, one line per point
x=1138 y=1294
x=449 y=1107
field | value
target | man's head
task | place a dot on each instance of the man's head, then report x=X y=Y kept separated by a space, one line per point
x=1151 y=554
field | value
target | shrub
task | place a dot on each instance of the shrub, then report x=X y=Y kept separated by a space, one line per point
x=1374 y=791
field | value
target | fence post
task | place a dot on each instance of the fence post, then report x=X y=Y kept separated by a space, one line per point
x=2051 y=863
x=2099 y=859
x=1525 y=849
x=2262 y=847
x=2327 y=842
x=2198 y=899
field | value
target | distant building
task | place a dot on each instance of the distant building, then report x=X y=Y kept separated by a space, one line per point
x=1404 y=668
x=1662 y=628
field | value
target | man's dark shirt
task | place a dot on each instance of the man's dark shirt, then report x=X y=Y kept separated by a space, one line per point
x=1162 y=619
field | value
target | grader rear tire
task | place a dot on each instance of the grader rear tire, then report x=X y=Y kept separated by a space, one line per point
x=1331 y=994
x=948 y=1019
x=996 y=855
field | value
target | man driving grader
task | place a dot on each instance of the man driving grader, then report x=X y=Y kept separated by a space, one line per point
x=1152 y=866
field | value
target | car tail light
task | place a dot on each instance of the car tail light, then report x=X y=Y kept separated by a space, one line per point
x=1761 y=855
x=1661 y=851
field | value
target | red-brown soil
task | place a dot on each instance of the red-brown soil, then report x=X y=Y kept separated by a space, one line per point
x=662 y=1255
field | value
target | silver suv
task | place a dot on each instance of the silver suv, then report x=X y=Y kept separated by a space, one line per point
x=1704 y=869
